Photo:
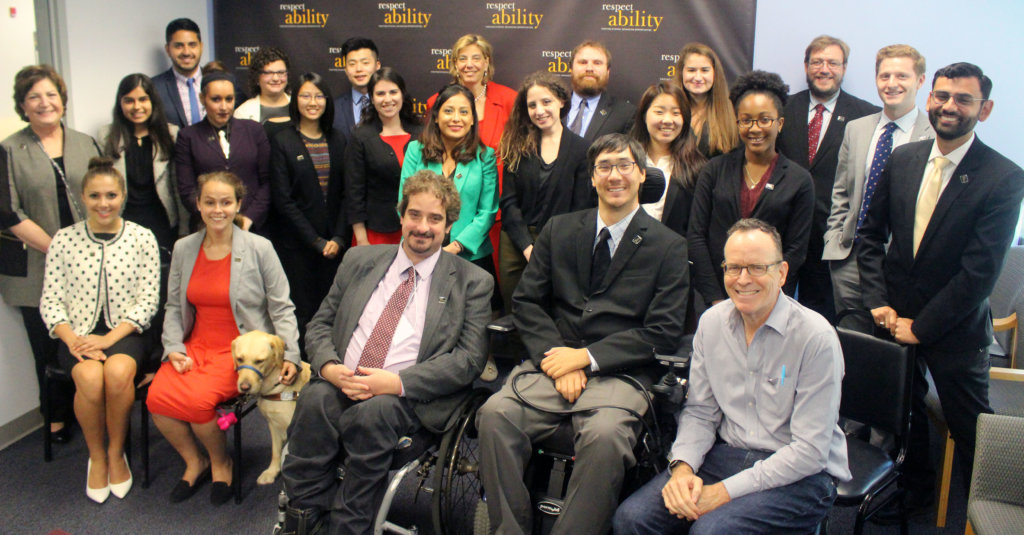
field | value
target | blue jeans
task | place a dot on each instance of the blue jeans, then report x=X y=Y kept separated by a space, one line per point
x=795 y=508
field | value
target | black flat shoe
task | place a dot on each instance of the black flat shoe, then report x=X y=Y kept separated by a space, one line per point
x=61 y=437
x=183 y=491
x=221 y=492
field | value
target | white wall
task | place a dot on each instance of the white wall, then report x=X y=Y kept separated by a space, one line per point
x=986 y=33
x=108 y=39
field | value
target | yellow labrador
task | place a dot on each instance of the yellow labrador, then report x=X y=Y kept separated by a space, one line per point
x=259 y=358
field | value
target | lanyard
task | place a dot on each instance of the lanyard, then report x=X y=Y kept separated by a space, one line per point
x=68 y=191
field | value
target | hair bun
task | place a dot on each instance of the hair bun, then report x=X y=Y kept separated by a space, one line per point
x=100 y=162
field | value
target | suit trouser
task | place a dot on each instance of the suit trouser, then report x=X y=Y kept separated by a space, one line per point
x=603 y=438
x=846 y=291
x=815 y=285
x=329 y=429
x=961 y=382
x=511 y=264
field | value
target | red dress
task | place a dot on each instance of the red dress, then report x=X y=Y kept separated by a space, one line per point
x=193 y=396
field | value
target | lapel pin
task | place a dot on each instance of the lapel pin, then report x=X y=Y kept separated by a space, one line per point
x=637 y=239
x=458 y=175
x=963 y=179
x=604 y=112
x=238 y=259
x=442 y=299
x=299 y=158
x=769 y=186
x=840 y=118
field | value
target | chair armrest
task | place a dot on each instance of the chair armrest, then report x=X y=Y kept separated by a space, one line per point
x=1006 y=374
x=1004 y=324
x=503 y=324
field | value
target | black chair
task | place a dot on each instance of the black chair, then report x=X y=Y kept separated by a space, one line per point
x=876 y=392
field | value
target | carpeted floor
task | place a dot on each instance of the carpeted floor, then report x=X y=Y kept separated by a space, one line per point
x=39 y=498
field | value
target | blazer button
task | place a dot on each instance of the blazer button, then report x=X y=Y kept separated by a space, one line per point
x=589 y=309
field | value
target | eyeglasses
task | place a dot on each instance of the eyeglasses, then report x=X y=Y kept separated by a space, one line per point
x=819 y=63
x=961 y=99
x=271 y=74
x=754 y=270
x=763 y=122
x=306 y=96
x=602 y=170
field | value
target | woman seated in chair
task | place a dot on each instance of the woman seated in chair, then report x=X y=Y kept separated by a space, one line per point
x=100 y=291
x=224 y=282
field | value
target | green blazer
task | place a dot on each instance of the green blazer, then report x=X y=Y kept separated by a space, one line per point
x=477 y=183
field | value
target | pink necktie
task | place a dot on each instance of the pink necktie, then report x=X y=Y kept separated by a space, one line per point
x=377 y=346
x=814 y=132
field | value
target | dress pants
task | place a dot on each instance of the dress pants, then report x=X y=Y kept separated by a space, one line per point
x=814 y=288
x=329 y=430
x=603 y=438
x=961 y=382
x=846 y=292
x=795 y=508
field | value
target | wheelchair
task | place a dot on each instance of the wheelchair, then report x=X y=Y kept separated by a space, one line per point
x=547 y=472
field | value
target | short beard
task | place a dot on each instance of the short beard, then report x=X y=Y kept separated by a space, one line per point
x=819 y=95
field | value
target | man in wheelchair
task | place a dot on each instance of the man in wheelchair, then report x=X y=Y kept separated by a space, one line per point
x=397 y=343
x=758 y=448
x=604 y=290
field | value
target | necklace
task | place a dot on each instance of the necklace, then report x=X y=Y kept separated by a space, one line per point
x=751 y=183
x=483 y=94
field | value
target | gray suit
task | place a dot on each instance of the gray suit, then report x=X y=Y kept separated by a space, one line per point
x=847 y=197
x=329 y=428
x=258 y=290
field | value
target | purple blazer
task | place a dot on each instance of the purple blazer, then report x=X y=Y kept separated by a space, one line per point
x=198 y=151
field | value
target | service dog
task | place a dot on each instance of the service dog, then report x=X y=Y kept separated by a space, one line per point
x=259 y=358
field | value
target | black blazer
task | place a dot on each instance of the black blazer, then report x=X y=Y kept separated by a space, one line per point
x=198 y=151
x=945 y=288
x=344 y=119
x=372 y=178
x=568 y=190
x=302 y=213
x=678 y=204
x=612 y=116
x=787 y=203
x=792 y=143
x=638 y=310
x=167 y=89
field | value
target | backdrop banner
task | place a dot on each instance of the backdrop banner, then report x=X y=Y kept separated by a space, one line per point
x=414 y=36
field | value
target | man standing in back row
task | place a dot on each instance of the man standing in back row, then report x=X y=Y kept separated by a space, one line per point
x=178 y=86
x=948 y=209
x=815 y=121
x=592 y=112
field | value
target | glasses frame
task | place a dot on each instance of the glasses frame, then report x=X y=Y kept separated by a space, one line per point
x=759 y=120
x=606 y=173
x=751 y=268
x=942 y=97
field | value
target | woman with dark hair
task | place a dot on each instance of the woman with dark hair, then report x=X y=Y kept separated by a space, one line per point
x=100 y=292
x=662 y=126
x=268 y=85
x=450 y=145
x=712 y=119
x=753 y=180
x=221 y=142
x=373 y=160
x=45 y=162
x=545 y=173
x=224 y=282
x=141 y=143
x=310 y=231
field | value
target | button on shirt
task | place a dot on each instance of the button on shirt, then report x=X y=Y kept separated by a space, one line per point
x=405 y=346
x=743 y=395
x=900 y=136
x=576 y=102
x=615 y=232
x=826 y=116
x=954 y=157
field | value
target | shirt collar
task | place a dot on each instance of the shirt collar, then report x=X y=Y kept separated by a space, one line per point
x=425 y=268
x=198 y=77
x=591 y=101
x=829 y=104
x=617 y=229
x=777 y=320
x=356 y=95
x=954 y=156
x=905 y=123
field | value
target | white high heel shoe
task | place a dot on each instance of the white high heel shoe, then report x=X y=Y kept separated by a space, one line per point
x=121 y=489
x=96 y=495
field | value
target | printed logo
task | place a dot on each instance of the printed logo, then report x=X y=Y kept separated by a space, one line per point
x=549 y=508
x=443 y=62
x=398 y=15
x=557 y=61
x=627 y=19
x=670 y=70
x=245 y=56
x=337 y=60
x=508 y=16
x=299 y=16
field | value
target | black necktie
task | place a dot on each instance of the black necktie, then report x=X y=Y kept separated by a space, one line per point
x=601 y=259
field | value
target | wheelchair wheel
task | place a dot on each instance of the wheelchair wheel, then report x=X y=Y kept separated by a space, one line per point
x=457 y=487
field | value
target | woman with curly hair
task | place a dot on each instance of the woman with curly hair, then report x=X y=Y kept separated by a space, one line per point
x=268 y=83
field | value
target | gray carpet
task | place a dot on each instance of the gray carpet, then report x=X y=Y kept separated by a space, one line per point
x=40 y=497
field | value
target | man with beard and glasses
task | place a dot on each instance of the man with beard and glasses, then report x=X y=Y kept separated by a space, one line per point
x=815 y=122
x=867 y=144
x=948 y=209
x=396 y=344
x=594 y=113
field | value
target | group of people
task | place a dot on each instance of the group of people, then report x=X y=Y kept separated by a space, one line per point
x=378 y=247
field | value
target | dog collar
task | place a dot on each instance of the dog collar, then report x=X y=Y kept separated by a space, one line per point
x=253 y=368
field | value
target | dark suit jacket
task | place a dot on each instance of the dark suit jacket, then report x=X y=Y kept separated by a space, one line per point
x=167 y=89
x=198 y=151
x=568 y=189
x=792 y=143
x=786 y=203
x=372 y=175
x=945 y=288
x=344 y=119
x=638 y=310
x=302 y=214
x=612 y=116
x=453 y=349
x=678 y=204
